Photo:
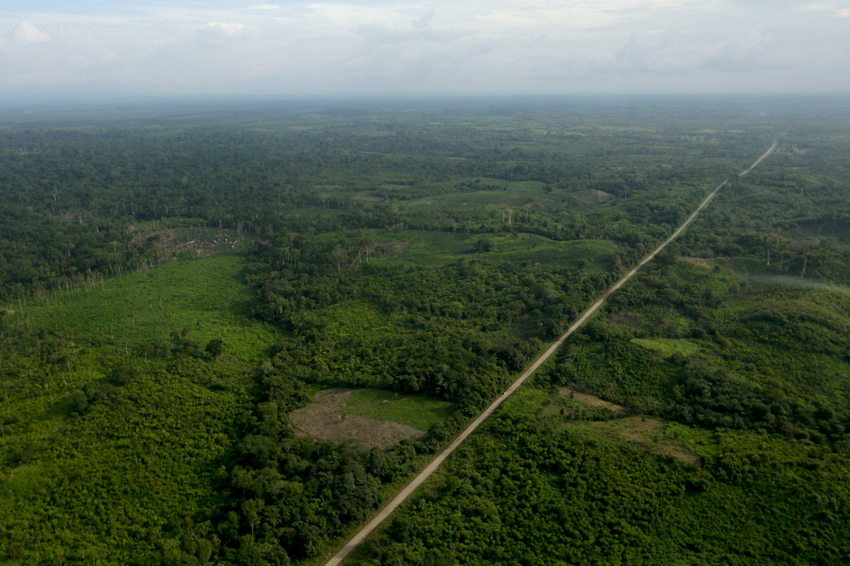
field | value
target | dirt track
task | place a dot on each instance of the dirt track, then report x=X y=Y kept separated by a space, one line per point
x=420 y=478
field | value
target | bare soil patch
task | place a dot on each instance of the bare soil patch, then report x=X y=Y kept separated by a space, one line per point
x=589 y=400
x=325 y=418
x=171 y=241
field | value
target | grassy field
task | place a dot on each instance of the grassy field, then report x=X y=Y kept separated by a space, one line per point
x=418 y=411
x=204 y=296
x=668 y=346
x=435 y=248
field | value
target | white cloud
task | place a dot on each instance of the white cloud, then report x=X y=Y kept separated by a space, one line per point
x=842 y=11
x=219 y=30
x=27 y=32
x=225 y=28
x=431 y=46
x=424 y=19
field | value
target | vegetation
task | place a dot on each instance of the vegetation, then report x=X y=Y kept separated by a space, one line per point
x=172 y=288
x=528 y=489
x=734 y=337
x=204 y=297
x=411 y=410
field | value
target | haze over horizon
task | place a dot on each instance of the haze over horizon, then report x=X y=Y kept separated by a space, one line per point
x=247 y=48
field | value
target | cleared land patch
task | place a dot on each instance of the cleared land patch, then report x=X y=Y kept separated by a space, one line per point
x=207 y=297
x=646 y=432
x=430 y=248
x=416 y=411
x=187 y=242
x=667 y=346
x=589 y=400
x=327 y=418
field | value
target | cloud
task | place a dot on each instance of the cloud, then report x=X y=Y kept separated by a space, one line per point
x=375 y=36
x=428 y=46
x=224 y=29
x=424 y=19
x=28 y=33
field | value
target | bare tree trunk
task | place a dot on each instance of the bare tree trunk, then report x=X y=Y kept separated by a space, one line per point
x=803 y=273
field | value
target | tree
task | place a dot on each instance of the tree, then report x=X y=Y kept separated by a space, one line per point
x=485 y=244
x=215 y=347
x=252 y=509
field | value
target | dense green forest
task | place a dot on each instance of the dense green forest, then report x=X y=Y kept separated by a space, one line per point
x=175 y=287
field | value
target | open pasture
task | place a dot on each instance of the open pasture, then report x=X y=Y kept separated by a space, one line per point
x=206 y=297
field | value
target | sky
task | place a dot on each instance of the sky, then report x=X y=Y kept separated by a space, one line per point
x=53 y=48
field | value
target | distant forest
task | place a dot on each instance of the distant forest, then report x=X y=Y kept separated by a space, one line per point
x=176 y=283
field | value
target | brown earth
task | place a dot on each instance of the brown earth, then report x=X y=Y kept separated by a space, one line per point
x=588 y=400
x=325 y=418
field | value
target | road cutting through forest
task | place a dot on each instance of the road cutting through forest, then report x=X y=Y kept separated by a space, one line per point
x=420 y=478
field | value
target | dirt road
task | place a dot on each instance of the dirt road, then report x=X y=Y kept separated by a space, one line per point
x=402 y=495
x=768 y=152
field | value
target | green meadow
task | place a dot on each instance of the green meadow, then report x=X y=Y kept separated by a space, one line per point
x=205 y=296
x=418 y=411
x=668 y=346
x=436 y=248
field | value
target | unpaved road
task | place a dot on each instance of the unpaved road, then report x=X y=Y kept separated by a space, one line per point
x=768 y=152
x=402 y=495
